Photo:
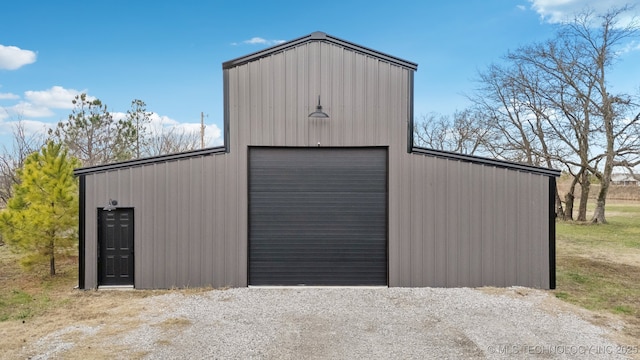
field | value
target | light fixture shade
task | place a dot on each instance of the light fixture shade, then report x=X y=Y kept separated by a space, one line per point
x=319 y=114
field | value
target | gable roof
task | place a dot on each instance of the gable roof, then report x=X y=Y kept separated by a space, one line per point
x=319 y=36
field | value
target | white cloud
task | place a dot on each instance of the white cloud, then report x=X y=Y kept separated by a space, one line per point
x=260 y=41
x=8 y=96
x=521 y=7
x=57 y=97
x=25 y=110
x=12 y=58
x=161 y=123
x=557 y=11
x=31 y=127
x=631 y=46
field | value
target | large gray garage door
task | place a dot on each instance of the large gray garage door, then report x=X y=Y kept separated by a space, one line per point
x=317 y=216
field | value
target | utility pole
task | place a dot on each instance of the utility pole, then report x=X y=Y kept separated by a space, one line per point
x=201 y=130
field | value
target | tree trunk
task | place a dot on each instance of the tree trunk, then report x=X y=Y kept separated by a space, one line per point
x=569 y=199
x=568 y=206
x=52 y=259
x=585 y=185
x=559 y=210
x=605 y=181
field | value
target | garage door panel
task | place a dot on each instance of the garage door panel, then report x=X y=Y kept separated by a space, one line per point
x=317 y=216
x=316 y=273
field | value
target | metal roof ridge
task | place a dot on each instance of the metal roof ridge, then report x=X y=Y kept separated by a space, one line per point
x=318 y=36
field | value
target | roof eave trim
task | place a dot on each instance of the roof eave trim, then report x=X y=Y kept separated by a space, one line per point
x=486 y=161
x=149 y=160
x=318 y=36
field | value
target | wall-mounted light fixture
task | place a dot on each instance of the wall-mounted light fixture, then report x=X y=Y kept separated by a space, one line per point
x=111 y=205
x=319 y=114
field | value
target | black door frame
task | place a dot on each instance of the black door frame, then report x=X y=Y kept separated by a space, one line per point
x=99 y=265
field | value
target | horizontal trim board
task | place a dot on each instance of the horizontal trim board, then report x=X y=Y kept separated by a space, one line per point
x=486 y=161
x=318 y=36
x=149 y=160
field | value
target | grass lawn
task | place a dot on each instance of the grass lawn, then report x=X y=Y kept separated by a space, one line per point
x=24 y=295
x=598 y=266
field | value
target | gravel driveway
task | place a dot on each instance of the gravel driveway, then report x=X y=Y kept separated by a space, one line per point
x=354 y=323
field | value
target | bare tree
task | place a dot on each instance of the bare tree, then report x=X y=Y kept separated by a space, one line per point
x=509 y=98
x=12 y=158
x=551 y=102
x=465 y=134
x=171 y=140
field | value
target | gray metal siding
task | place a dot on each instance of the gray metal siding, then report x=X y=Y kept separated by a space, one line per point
x=472 y=225
x=450 y=222
x=183 y=211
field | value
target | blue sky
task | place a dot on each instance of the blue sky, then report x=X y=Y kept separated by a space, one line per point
x=169 y=53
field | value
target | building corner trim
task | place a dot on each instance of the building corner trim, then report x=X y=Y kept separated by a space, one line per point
x=81 y=230
x=552 y=232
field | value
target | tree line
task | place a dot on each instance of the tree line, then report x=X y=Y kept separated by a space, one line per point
x=551 y=104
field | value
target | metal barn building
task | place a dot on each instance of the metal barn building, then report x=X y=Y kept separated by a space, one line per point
x=295 y=197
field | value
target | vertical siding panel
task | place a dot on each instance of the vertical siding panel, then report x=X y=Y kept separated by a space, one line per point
x=349 y=97
x=291 y=97
x=167 y=252
x=231 y=246
x=477 y=209
x=221 y=209
x=325 y=74
x=336 y=86
x=395 y=257
x=264 y=99
x=241 y=118
x=195 y=219
x=208 y=224
x=500 y=233
x=359 y=108
x=451 y=188
x=241 y=209
x=405 y=217
x=511 y=234
x=304 y=85
x=464 y=220
x=159 y=231
x=488 y=239
x=441 y=211
x=416 y=215
x=131 y=191
x=251 y=102
x=184 y=230
x=277 y=87
x=375 y=90
x=524 y=217
x=171 y=248
x=430 y=209
x=91 y=237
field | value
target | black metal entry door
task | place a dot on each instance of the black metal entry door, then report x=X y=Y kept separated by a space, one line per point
x=318 y=216
x=115 y=257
